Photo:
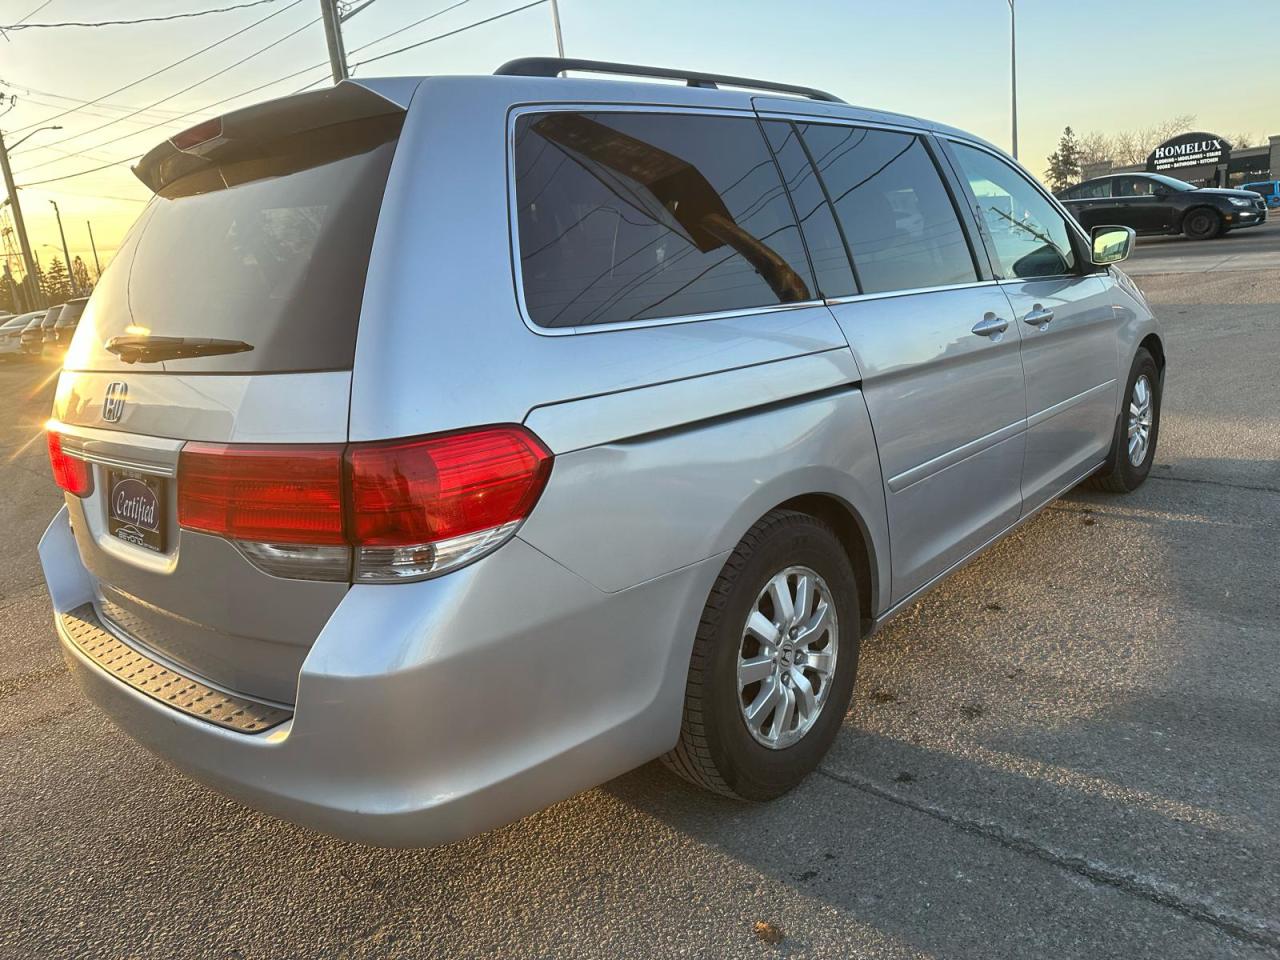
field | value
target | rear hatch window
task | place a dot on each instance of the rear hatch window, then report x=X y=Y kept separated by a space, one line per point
x=254 y=262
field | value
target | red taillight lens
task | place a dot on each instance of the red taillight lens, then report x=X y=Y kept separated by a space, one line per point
x=410 y=508
x=71 y=474
x=285 y=494
x=437 y=488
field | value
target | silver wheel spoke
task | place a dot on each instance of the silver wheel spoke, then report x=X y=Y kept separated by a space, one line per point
x=804 y=598
x=763 y=629
x=820 y=662
x=759 y=708
x=816 y=625
x=806 y=698
x=754 y=670
x=785 y=713
x=784 y=610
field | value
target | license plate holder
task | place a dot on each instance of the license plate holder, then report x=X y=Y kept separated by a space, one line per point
x=136 y=508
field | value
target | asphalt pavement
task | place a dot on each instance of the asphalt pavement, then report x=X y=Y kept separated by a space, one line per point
x=1071 y=749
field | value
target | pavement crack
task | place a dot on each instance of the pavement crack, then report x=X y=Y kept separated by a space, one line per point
x=1216 y=483
x=1234 y=923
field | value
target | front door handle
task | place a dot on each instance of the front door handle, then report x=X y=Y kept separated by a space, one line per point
x=991 y=326
x=1039 y=316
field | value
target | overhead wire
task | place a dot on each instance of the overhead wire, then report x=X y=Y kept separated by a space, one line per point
x=168 y=67
x=165 y=99
x=23 y=25
x=288 y=76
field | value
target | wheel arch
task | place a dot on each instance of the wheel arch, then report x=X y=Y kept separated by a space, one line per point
x=851 y=529
x=1154 y=346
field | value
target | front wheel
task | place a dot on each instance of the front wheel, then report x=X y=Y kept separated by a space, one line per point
x=773 y=663
x=1133 y=446
x=1201 y=225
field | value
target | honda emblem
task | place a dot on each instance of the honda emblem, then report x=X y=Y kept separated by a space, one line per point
x=113 y=402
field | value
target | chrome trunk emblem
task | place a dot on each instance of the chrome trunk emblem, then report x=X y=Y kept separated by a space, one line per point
x=113 y=401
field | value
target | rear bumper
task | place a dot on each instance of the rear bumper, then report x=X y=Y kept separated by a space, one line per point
x=430 y=711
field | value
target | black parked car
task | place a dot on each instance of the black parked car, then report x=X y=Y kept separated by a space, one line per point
x=1152 y=203
x=34 y=333
x=65 y=326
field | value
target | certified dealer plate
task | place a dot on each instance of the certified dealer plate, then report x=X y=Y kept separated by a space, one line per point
x=135 y=508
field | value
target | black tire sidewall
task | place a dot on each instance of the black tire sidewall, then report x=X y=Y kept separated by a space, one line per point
x=1213 y=228
x=751 y=770
x=1131 y=475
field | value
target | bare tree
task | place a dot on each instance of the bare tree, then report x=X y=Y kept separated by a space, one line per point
x=1242 y=141
x=1094 y=147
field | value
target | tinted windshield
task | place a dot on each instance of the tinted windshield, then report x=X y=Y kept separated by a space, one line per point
x=270 y=249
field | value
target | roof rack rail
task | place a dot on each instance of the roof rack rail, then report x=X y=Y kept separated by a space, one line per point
x=554 y=66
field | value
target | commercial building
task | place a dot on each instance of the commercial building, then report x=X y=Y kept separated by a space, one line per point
x=1204 y=159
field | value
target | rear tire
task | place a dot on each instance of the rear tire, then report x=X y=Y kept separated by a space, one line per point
x=719 y=748
x=1140 y=411
x=1201 y=224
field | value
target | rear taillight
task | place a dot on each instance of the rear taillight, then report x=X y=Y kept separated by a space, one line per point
x=70 y=473
x=377 y=512
x=260 y=493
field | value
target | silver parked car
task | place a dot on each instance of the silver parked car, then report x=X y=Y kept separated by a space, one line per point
x=437 y=448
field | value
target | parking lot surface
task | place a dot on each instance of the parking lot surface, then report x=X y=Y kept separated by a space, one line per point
x=1071 y=749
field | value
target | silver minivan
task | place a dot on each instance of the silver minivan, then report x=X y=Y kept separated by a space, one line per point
x=437 y=448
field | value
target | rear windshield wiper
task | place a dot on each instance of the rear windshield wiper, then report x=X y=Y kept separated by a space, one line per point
x=154 y=349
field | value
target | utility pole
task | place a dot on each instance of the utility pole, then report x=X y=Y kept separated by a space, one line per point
x=35 y=297
x=333 y=35
x=71 y=274
x=1013 y=71
x=96 y=265
x=555 y=20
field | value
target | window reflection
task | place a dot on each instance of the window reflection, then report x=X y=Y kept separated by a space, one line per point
x=634 y=216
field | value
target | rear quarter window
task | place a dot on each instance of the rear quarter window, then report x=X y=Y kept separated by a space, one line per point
x=638 y=216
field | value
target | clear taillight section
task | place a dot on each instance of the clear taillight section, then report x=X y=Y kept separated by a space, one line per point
x=70 y=473
x=376 y=512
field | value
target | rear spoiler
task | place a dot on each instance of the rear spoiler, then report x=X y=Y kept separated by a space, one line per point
x=207 y=142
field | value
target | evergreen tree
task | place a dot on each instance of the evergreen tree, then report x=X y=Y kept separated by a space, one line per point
x=56 y=287
x=1064 y=163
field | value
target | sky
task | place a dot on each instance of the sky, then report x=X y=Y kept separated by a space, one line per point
x=1106 y=65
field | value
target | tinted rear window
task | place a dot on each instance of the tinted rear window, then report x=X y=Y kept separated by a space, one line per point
x=269 y=248
x=634 y=216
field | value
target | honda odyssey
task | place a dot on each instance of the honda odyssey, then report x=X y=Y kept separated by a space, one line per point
x=437 y=448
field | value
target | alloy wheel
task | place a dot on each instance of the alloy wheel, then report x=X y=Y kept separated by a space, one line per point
x=1140 y=420
x=787 y=657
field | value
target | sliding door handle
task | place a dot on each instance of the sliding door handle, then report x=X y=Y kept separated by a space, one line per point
x=991 y=326
x=1039 y=316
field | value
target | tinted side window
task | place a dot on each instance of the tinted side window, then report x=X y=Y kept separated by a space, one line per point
x=1098 y=190
x=633 y=216
x=822 y=236
x=1031 y=238
x=899 y=221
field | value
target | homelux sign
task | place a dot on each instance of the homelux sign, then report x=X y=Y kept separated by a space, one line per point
x=1189 y=150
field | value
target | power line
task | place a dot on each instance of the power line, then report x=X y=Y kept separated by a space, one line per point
x=144 y=129
x=22 y=25
x=100 y=104
x=176 y=63
x=288 y=76
x=185 y=89
x=441 y=36
x=234 y=96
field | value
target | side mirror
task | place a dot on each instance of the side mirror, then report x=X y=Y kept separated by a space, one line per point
x=1112 y=244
